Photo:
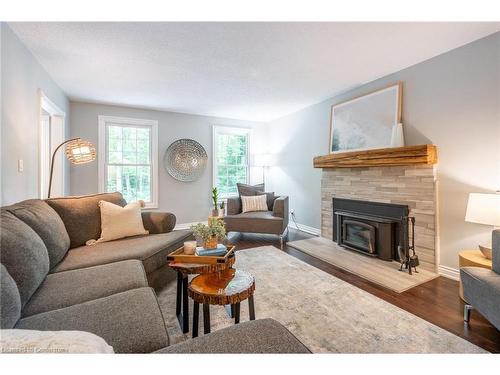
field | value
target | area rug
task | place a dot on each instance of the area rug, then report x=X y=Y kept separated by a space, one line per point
x=380 y=272
x=325 y=313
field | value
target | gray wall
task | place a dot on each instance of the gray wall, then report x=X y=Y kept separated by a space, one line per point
x=21 y=78
x=189 y=201
x=452 y=101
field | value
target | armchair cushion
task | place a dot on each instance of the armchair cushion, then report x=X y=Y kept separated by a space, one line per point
x=254 y=222
x=233 y=205
x=245 y=190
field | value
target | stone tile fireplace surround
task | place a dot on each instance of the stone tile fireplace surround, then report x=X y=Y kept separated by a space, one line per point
x=413 y=185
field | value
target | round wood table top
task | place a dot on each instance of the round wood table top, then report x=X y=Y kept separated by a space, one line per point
x=222 y=288
x=473 y=258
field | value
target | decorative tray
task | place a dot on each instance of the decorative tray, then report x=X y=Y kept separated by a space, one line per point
x=178 y=256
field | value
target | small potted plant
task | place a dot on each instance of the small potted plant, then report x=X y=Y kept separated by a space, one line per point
x=210 y=234
x=222 y=207
x=215 y=199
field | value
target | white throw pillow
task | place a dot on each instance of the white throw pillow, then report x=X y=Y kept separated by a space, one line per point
x=120 y=222
x=25 y=341
x=254 y=203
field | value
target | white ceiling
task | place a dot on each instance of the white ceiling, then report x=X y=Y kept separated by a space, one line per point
x=251 y=71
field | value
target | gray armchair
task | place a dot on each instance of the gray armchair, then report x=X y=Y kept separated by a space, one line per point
x=482 y=287
x=270 y=222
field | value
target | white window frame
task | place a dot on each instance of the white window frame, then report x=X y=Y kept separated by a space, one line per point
x=153 y=124
x=222 y=129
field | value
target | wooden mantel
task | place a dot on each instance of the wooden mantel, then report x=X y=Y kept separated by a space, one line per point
x=381 y=157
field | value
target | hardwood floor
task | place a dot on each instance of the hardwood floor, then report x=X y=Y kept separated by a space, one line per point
x=436 y=301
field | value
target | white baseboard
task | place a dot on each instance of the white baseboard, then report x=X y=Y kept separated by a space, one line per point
x=306 y=228
x=184 y=226
x=449 y=272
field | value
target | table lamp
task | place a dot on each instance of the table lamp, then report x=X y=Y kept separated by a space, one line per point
x=78 y=151
x=484 y=209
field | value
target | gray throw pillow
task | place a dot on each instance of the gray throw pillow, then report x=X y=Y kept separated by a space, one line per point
x=245 y=190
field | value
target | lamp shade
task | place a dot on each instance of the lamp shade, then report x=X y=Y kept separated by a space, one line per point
x=264 y=160
x=80 y=151
x=483 y=209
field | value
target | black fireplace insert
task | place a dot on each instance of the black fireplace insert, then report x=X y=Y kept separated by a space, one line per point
x=373 y=228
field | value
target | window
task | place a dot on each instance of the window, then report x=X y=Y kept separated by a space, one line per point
x=128 y=154
x=231 y=165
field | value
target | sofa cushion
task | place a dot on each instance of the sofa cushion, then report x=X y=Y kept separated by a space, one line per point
x=257 y=336
x=82 y=216
x=69 y=288
x=131 y=321
x=482 y=290
x=10 y=300
x=47 y=224
x=152 y=250
x=254 y=222
x=23 y=254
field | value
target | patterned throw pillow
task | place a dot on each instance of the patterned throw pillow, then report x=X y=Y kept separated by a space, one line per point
x=254 y=203
x=251 y=190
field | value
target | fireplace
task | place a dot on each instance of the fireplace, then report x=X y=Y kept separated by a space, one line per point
x=372 y=228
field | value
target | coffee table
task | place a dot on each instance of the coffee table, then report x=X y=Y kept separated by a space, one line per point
x=185 y=269
x=227 y=287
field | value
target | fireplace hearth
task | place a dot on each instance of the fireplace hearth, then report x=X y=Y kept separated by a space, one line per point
x=373 y=228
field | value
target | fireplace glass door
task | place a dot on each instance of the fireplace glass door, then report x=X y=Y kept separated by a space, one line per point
x=359 y=235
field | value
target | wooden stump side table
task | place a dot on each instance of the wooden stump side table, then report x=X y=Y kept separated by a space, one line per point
x=183 y=270
x=228 y=287
x=471 y=258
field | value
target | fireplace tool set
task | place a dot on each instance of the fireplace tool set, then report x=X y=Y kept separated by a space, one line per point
x=406 y=251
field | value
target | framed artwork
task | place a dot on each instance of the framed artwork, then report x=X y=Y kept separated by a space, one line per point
x=366 y=122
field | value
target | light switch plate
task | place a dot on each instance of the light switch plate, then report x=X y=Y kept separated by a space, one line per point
x=20 y=165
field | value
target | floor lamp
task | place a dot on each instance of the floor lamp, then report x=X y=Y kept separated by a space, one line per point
x=264 y=161
x=78 y=151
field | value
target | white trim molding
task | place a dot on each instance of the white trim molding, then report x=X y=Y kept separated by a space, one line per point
x=305 y=228
x=101 y=152
x=184 y=226
x=50 y=132
x=449 y=272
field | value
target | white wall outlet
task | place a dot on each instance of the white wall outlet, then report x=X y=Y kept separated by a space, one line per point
x=292 y=211
x=20 y=165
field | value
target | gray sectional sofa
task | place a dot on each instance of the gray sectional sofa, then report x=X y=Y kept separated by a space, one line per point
x=482 y=286
x=51 y=281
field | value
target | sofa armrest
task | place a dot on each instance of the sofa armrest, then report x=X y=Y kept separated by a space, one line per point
x=158 y=222
x=280 y=207
x=234 y=206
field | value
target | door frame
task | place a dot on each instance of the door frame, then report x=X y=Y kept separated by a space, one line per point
x=45 y=104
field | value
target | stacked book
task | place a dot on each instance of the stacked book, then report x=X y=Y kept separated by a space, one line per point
x=221 y=250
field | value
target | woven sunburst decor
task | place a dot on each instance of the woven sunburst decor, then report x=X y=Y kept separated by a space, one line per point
x=185 y=160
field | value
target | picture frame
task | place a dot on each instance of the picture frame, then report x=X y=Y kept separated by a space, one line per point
x=368 y=121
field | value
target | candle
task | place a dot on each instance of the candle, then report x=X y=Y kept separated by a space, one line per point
x=189 y=247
